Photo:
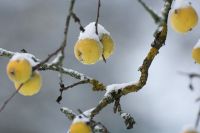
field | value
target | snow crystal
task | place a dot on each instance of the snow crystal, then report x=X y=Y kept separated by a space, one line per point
x=116 y=87
x=180 y=3
x=90 y=32
x=20 y=56
x=198 y=44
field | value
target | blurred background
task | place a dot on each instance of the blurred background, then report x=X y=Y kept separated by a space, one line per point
x=164 y=105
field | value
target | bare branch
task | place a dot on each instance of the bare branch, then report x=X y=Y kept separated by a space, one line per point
x=154 y=15
x=97 y=85
x=198 y=119
x=97 y=18
x=63 y=88
x=77 y=20
x=156 y=45
x=75 y=84
x=9 y=98
x=6 y=53
x=64 y=43
x=69 y=113
x=190 y=75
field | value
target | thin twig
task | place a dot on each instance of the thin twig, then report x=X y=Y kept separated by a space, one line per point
x=9 y=98
x=77 y=20
x=198 y=119
x=158 y=42
x=97 y=85
x=155 y=16
x=69 y=113
x=190 y=75
x=75 y=84
x=63 y=88
x=97 y=18
x=63 y=45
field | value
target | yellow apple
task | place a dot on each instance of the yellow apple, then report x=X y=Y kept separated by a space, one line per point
x=88 y=51
x=80 y=127
x=183 y=19
x=108 y=45
x=196 y=54
x=19 y=70
x=32 y=86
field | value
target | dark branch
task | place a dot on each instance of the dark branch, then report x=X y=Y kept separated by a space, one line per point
x=158 y=42
x=77 y=20
x=155 y=16
x=198 y=119
x=9 y=98
x=63 y=88
x=97 y=18
x=64 y=43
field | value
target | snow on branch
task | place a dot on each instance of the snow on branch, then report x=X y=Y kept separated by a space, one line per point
x=115 y=92
x=51 y=66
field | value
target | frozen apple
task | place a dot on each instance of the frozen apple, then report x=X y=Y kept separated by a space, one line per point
x=80 y=127
x=108 y=45
x=32 y=86
x=87 y=51
x=19 y=70
x=183 y=18
x=196 y=52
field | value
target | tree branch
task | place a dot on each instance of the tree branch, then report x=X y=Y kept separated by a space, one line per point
x=69 y=113
x=97 y=18
x=154 y=15
x=63 y=88
x=10 y=98
x=77 y=20
x=97 y=85
x=118 y=91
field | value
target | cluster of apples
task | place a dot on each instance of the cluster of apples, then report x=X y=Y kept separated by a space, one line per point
x=19 y=70
x=92 y=47
x=184 y=18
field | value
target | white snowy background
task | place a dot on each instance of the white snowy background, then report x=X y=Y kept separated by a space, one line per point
x=164 y=105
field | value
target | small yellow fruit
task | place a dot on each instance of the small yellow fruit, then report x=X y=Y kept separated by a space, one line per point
x=19 y=70
x=108 y=45
x=183 y=19
x=88 y=51
x=196 y=54
x=32 y=86
x=80 y=127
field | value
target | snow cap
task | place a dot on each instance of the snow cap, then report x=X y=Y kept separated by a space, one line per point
x=90 y=32
x=25 y=56
x=81 y=118
x=197 y=44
